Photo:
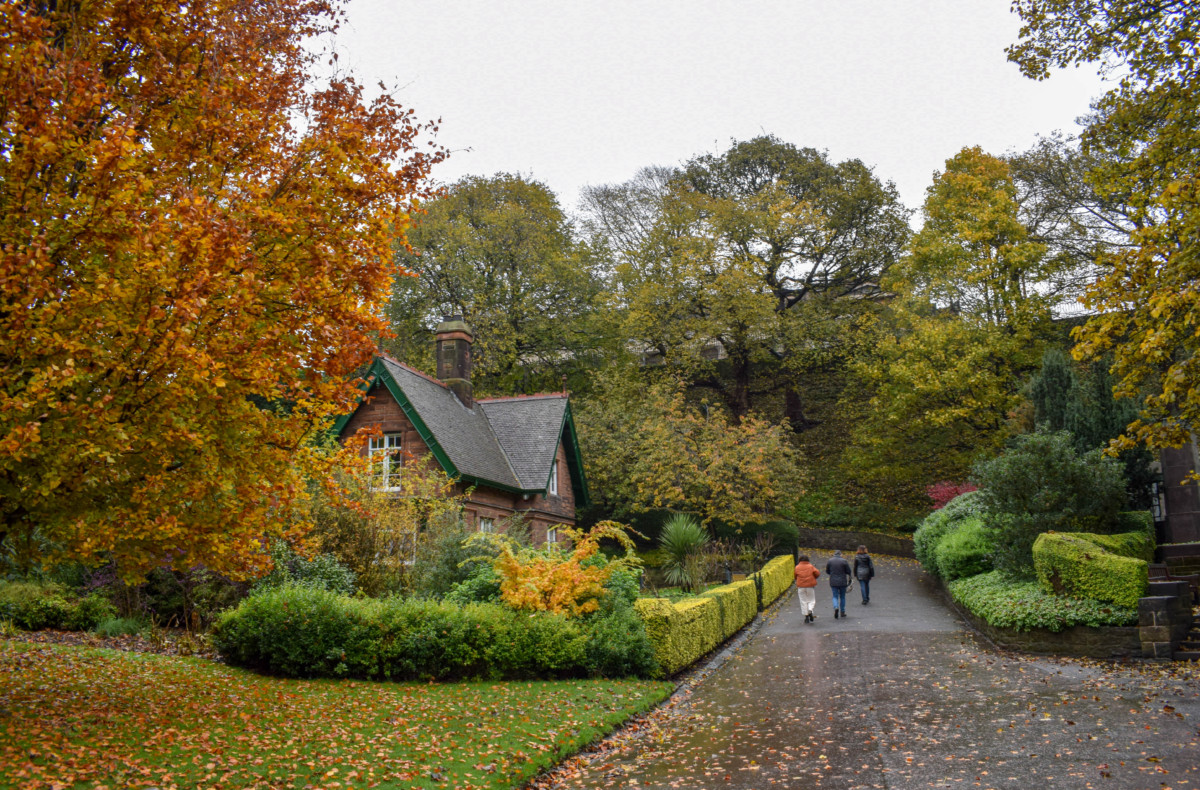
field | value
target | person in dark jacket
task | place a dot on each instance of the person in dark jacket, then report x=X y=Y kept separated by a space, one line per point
x=839 y=572
x=864 y=571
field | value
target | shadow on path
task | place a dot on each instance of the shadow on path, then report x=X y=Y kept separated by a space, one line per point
x=900 y=695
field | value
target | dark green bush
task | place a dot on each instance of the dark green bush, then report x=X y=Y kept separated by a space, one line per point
x=1008 y=602
x=305 y=632
x=481 y=586
x=322 y=572
x=34 y=606
x=938 y=523
x=1041 y=484
x=965 y=550
x=1135 y=521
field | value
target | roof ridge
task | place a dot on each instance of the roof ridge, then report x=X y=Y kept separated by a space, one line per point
x=414 y=371
x=523 y=397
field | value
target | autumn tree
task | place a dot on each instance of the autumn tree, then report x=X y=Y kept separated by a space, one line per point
x=969 y=322
x=649 y=448
x=195 y=245
x=760 y=254
x=500 y=252
x=1145 y=304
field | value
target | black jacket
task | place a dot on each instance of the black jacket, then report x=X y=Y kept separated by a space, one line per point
x=838 y=571
x=863 y=567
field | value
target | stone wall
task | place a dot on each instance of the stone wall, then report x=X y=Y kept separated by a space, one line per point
x=849 y=540
x=1164 y=618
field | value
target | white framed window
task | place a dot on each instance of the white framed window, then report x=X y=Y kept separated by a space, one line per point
x=551 y=535
x=487 y=524
x=384 y=452
x=552 y=487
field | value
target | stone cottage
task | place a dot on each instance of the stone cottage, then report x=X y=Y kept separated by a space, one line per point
x=512 y=455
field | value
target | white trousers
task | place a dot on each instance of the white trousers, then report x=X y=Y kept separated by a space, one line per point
x=808 y=598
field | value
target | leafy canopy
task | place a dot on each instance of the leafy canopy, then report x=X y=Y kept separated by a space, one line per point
x=1145 y=134
x=195 y=243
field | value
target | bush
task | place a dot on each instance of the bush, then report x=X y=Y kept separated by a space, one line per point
x=322 y=572
x=119 y=626
x=965 y=550
x=481 y=586
x=34 y=606
x=1007 y=602
x=307 y=632
x=1135 y=521
x=1042 y=484
x=1077 y=566
x=776 y=577
x=935 y=526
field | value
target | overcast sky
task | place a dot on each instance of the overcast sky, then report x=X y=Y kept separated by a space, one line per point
x=573 y=93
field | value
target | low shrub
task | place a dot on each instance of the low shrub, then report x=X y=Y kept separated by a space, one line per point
x=307 y=632
x=34 y=606
x=935 y=526
x=1135 y=521
x=119 y=626
x=1078 y=566
x=964 y=550
x=1005 y=602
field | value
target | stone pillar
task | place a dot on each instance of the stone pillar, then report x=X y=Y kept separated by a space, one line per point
x=1182 y=495
x=1164 y=618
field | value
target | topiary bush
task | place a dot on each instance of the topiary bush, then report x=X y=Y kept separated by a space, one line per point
x=1075 y=565
x=965 y=550
x=935 y=526
x=1042 y=484
x=1004 y=601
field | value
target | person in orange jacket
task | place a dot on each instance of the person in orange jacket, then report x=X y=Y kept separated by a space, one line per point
x=806 y=587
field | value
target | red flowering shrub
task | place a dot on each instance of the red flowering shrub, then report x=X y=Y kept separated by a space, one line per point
x=944 y=491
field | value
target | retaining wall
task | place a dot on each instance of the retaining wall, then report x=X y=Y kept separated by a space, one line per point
x=849 y=540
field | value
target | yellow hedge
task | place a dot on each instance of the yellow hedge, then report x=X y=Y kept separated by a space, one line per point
x=777 y=576
x=684 y=632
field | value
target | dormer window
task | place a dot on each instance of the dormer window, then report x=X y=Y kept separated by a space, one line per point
x=552 y=487
x=384 y=452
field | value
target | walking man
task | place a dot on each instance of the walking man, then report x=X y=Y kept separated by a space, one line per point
x=839 y=572
x=806 y=587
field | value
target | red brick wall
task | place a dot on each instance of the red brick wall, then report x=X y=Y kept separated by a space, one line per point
x=381 y=409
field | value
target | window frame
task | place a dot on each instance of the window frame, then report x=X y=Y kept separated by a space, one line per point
x=552 y=483
x=390 y=446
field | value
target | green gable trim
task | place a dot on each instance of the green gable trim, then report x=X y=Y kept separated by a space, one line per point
x=379 y=373
x=574 y=458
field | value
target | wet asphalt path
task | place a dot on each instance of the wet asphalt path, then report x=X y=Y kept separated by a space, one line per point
x=900 y=695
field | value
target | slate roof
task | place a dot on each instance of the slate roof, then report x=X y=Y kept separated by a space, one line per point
x=464 y=434
x=528 y=430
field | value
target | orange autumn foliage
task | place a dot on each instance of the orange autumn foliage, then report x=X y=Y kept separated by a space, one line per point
x=196 y=241
x=559 y=581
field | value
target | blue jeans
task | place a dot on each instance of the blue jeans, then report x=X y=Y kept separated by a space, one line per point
x=864 y=586
x=839 y=598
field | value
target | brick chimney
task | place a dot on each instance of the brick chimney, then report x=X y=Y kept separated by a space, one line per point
x=453 y=340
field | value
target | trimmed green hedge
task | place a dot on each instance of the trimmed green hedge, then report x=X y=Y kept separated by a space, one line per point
x=1004 y=602
x=307 y=632
x=1080 y=565
x=684 y=632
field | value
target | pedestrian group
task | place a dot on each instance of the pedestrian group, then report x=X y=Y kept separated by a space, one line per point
x=841 y=577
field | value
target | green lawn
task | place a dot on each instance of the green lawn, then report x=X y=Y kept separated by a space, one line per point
x=78 y=717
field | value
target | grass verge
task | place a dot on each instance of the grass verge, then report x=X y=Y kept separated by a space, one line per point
x=104 y=719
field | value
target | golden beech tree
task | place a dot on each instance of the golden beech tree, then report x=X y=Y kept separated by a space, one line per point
x=195 y=244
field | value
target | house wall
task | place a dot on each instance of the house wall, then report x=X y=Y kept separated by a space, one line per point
x=380 y=409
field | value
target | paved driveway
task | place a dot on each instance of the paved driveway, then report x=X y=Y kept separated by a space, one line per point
x=900 y=695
